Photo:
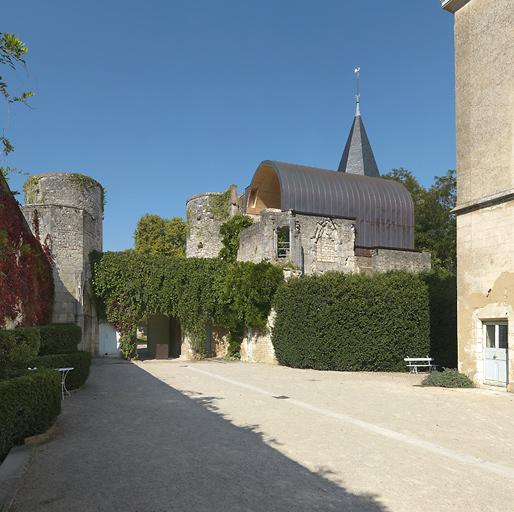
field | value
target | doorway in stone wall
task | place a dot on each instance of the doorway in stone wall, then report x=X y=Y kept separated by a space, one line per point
x=164 y=337
x=496 y=335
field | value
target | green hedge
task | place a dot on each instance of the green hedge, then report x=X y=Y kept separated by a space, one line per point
x=448 y=378
x=352 y=322
x=59 y=338
x=17 y=347
x=29 y=405
x=442 y=290
x=81 y=361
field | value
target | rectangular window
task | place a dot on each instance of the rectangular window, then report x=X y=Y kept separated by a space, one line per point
x=283 y=242
x=496 y=334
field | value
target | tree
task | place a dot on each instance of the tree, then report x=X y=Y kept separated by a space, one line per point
x=435 y=229
x=155 y=235
x=12 y=52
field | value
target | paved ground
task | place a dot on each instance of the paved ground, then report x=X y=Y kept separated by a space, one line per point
x=216 y=436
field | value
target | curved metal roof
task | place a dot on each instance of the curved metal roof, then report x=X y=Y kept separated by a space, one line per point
x=383 y=209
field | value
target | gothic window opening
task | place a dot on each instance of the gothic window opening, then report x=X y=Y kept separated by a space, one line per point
x=283 y=242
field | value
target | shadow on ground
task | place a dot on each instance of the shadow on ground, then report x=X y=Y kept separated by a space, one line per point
x=129 y=442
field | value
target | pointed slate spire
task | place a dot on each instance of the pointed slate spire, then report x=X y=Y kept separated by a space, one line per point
x=358 y=157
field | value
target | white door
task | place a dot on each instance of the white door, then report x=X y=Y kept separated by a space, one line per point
x=108 y=340
x=495 y=360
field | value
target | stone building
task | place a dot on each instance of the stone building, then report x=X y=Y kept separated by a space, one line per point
x=484 y=68
x=316 y=220
x=65 y=211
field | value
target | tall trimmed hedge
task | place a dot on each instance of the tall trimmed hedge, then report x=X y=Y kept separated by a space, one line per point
x=29 y=405
x=442 y=289
x=59 y=338
x=352 y=322
x=80 y=361
x=17 y=347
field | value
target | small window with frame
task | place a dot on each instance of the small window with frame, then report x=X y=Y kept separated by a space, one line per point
x=496 y=334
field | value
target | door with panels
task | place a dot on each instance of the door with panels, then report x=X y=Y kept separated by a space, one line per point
x=495 y=353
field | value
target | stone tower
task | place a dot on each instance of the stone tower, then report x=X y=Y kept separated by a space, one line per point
x=205 y=214
x=65 y=211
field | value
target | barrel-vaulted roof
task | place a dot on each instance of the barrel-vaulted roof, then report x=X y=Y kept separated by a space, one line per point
x=382 y=208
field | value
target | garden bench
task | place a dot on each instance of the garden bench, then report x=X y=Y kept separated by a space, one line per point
x=413 y=363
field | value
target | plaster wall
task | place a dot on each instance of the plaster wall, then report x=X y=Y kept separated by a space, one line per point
x=484 y=69
x=485 y=282
x=484 y=81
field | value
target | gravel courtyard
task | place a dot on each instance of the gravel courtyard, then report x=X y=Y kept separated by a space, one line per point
x=227 y=436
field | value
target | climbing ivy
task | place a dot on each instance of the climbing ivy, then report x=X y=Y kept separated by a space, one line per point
x=218 y=205
x=230 y=232
x=201 y=293
x=26 y=282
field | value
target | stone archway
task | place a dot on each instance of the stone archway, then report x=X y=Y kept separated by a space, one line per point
x=164 y=337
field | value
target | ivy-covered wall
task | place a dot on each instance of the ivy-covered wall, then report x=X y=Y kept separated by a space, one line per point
x=26 y=283
x=200 y=292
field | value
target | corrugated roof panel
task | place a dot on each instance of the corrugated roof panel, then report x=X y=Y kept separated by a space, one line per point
x=383 y=208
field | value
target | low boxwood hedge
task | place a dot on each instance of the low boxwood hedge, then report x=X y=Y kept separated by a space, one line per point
x=59 y=338
x=448 y=378
x=17 y=347
x=81 y=361
x=29 y=405
x=352 y=322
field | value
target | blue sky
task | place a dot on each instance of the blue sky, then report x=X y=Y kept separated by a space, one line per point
x=163 y=99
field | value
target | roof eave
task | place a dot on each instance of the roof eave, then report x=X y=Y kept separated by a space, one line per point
x=453 y=5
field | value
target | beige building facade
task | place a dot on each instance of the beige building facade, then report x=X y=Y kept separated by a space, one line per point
x=484 y=75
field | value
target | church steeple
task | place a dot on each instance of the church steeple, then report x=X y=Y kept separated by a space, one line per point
x=358 y=157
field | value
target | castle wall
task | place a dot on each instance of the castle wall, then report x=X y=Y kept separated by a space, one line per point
x=204 y=219
x=316 y=244
x=66 y=214
x=386 y=260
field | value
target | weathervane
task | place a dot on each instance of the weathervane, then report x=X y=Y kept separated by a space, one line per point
x=357 y=72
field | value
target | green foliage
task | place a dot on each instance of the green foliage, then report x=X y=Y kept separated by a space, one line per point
x=29 y=188
x=29 y=406
x=230 y=232
x=448 y=378
x=12 y=55
x=435 y=229
x=155 y=235
x=218 y=205
x=201 y=293
x=128 y=346
x=59 y=338
x=17 y=347
x=442 y=290
x=351 y=322
x=80 y=361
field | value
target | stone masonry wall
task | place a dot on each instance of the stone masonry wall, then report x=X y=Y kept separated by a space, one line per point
x=385 y=260
x=67 y=212
x=203 y=224
x=317 y=244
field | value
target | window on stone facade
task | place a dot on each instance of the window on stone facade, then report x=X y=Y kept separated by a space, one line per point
x=283 y=242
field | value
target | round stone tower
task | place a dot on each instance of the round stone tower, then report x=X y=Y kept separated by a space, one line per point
x=205 y=214
x=65 y=211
